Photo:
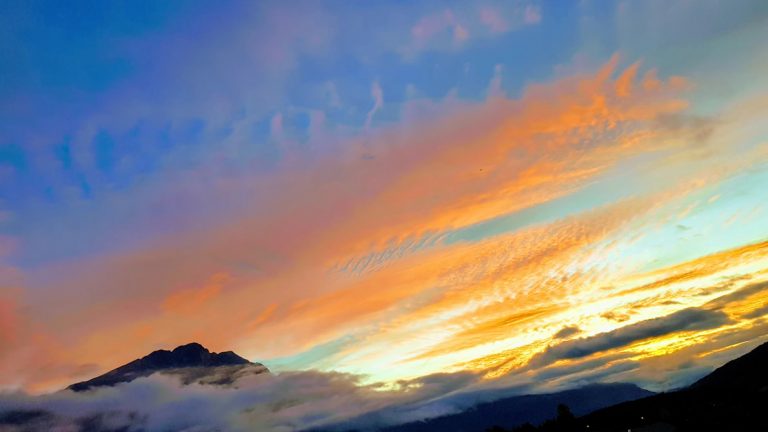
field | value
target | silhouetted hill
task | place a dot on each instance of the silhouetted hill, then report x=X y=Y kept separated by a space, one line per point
x=748 y=372
x=732 y=398
x=509 y=411
x=516 y=410
x=192 y=360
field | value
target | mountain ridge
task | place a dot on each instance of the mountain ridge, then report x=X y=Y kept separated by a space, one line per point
x=509 y=410
x=184 y=358
x=731 y=375
x=733 y=397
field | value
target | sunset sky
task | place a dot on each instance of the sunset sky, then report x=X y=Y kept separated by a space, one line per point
x=538 y=193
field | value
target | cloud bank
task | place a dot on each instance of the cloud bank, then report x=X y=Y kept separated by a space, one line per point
x=283 y=402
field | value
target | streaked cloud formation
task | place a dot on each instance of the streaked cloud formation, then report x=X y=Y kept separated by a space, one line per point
x=507 y=193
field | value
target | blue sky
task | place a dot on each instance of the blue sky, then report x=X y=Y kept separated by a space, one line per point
x=344 y=176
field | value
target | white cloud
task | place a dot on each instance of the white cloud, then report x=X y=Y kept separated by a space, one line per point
x=264 y=402
x=378 y=100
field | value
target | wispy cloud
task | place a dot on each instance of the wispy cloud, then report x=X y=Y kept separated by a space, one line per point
x=481 y=226
x=378 y=101
x=418 y=182
x=681 y=321
x=450 y=28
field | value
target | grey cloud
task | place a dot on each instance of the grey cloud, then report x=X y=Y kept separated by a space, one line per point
x=567 y=331
x=440 y=395
x=603 y=374
x=688 y=364
x=738 y=295
x=686 y=319
x=158 y=403
x=758 y=313
x=558 y=372
x=265 y=402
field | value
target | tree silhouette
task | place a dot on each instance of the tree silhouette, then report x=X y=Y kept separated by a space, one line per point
x=564 y=415
x=525 y=427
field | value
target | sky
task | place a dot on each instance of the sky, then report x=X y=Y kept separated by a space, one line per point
x=492 y=193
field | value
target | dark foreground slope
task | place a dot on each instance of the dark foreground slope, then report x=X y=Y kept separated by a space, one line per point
x=192 y=359
x=510 y=411
x=732 y=398
x=528 y=408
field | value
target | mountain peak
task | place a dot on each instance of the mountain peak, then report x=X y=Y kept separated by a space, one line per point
x=191 y=355
x=190 y=347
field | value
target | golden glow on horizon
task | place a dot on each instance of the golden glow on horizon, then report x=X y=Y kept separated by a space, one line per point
x=489 y=304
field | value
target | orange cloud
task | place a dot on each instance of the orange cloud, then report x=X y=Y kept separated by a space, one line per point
x=475 y=163
x=263 y=316
x=191 y=300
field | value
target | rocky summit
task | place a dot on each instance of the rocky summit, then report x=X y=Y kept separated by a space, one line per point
x=187 y=360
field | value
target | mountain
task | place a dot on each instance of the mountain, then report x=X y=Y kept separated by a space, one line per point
x=746 y=373
x=191 y=361
x=732 y=398
x=515 y=410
